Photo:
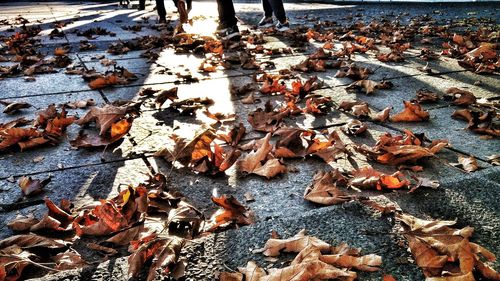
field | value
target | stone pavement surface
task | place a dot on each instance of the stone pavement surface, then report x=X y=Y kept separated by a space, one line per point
x=83 y=176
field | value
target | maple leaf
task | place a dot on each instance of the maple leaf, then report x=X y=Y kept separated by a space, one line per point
x=413 y=112
x=106 y=116
x=302 y=89
x=295 y=244
x=460 y=97
x=231 y=211
x=318 y=105
x=426 y=96
x=185 y=150
x=358 y=108
x=370 y=178
x=69 y=260
x=330 y=150
x=164 y=251
x=382 y=116
x=13 y=107
x=369 y=86
x=469 y=164
x=260 y=162
x=323 y=190
x=354 y=72
x=291 y=143
x=478 y=121
x=118 y=130
x=354 y=127
x=24 y=138
x=234 y=136
x=31 y=187
x=400 y=149
x=272 y=85
x=22 y=223
x=267 y=120
x=163 y=96
x=113 y=215
x=308 y=65
x=393 y=56
x=316 y=260
x=439 y=248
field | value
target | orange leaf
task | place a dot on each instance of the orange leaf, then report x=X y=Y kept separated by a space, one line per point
x=413 y=112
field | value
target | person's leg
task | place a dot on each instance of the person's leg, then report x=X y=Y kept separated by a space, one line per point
x=142 y=4
x=268 y=10
x=278 y=10
x=227 y=15
x=267 y=19
x=160 y=7
x=189 y=5
x=183 y=11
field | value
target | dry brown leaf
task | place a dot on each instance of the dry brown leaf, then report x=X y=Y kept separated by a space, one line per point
x=413 y=112
x=370 y=178
x=231 y=211
x=22 y=223
x=31 y=187
x=69 y=260
x=164 y=251
x=324 y=190
x=258 y=162
x=382 y=116
x=468 y=163
x=354 y=127
x=267 y=120
x=460 y=97
x=439 y=248
x=295 y=244
x=426 y=96
x=14 y=107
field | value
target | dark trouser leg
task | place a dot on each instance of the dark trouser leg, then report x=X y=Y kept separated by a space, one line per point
x=227 y=15
x=278 y=9
x=142 y=4
x=268 y=10
x=160 y=6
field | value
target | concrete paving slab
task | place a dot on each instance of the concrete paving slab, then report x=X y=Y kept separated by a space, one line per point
x=43 y=84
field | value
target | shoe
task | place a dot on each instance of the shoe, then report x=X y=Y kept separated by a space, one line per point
x=183 y=13
x=283 y=26
x=162 y=21
x=266 y=22
x=229 y=33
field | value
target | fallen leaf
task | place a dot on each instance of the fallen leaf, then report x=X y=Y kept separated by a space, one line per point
x=413 y=112
x=468 y=163
x=22 y=223
x=370 y=178
x=426 y=96
x=460 y=97
x=163 y=251
x=231 y=212
x=324 y=190
x=382 y=116
x=295 y=244
x=267 y=120
x=439 y=248
x=11 y=108
x=32 y=187
x=354 y=127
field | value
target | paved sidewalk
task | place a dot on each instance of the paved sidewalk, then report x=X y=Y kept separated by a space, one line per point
x=84 y=176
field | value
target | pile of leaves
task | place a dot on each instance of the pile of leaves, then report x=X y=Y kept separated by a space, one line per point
x=148 y=219
x=315 y=260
